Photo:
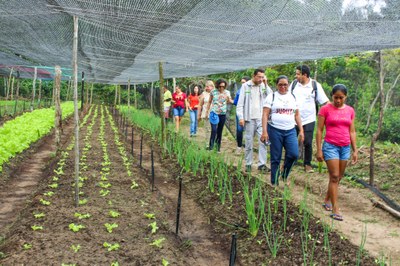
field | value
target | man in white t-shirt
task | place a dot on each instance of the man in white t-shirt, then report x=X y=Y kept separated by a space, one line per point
x=307 y=98
x=249 y=111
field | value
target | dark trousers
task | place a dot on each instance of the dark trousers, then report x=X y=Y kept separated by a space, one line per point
x=216 y=132
x=239 y=133
x=282 y=139
x=308 y=138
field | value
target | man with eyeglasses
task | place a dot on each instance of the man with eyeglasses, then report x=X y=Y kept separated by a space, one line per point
x=249 y=111
x=307 y=95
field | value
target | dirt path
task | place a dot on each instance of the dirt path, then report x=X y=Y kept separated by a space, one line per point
x=383 y=230
x=23 y=182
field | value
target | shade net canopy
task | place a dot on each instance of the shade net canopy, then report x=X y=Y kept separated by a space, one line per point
x=126 y=39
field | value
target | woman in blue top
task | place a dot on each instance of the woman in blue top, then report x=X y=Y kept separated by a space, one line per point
x=219 y=98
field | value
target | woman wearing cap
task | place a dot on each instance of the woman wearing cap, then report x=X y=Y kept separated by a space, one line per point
x=338 y=120
x=217 y=106
x=281 y=114
x=204 y=99
x=179 y=99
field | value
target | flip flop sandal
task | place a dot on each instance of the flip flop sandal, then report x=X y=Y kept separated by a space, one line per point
x=336 y=217
x=327 y=206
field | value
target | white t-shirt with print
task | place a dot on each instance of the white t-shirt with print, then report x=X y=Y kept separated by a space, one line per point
x=282 y=111
x=306 y=100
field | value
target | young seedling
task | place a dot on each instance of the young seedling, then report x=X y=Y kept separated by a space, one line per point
x=54 y=185
x=45 y=202
x=154 y=227
x=76 y=227
x=150 y=215
x=114 y=214
x=158 y=242
x=104 y=192
x=134 y=184
x=76 y=248
x=49 y=193
x=83 y=201
x=165 y=262
x=82 y=216
x=27 y=246
x=111 y=247
x=37 y=227
x=39 y=215
x=115 y=263
x=110 y=227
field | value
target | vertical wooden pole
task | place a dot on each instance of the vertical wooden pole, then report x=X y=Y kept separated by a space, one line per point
x=12 y=89
x=134 y=91
x=33 y=88
x=91 y=94
x=161 y=104
x=40 y=91
x=69 y=88
x=58 y=114
x=119 y=96
x=174 y=84
x=87 y=95
x=82 y=91
x=151 y=96
x=129 y=96
x=17 y=91
x=116 y=95
x=9 y=84
x=76 y=114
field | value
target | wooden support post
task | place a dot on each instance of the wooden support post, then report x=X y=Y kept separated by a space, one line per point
x=151 y=96
x=119 y=96
x=116 y=95
x=83 y=91
x=87 y=95
x=129 y=97
x=91 y=94
x=134 y=91
x=58 y=114
x=33 y=88
x=12 y=89
x=161 y=103
x=40 y=91
x=76 y=114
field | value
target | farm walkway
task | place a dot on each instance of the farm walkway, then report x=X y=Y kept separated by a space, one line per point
x=383 y=230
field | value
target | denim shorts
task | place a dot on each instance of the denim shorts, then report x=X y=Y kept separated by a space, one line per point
x=333 y=152
x=179 y=111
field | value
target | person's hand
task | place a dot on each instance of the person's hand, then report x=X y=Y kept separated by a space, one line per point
x=320 y=156
x=301 y=136
x=354 y=157
x=241 y=122
x=265 y=81
x=264 y=137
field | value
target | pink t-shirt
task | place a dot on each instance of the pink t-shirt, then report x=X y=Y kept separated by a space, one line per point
x=337 y=124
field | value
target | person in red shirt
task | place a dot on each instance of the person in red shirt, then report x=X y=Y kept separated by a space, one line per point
x=193 y=109
x=338 y=120
x=180 y=104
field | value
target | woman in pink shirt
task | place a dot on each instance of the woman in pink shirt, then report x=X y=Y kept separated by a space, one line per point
x=338 y=120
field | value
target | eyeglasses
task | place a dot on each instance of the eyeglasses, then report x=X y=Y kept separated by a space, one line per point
x=283 y=85
x=221 y=86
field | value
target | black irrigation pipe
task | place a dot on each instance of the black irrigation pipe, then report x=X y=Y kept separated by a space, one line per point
x=152 y=169
x=132 y=142
x=178 y=209
x=388 y=201
x=232 y=258
x=141 y=150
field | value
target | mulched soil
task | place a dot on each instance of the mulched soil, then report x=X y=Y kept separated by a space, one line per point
x=206 y=226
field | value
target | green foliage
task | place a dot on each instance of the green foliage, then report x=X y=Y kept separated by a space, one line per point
x=16 y=135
